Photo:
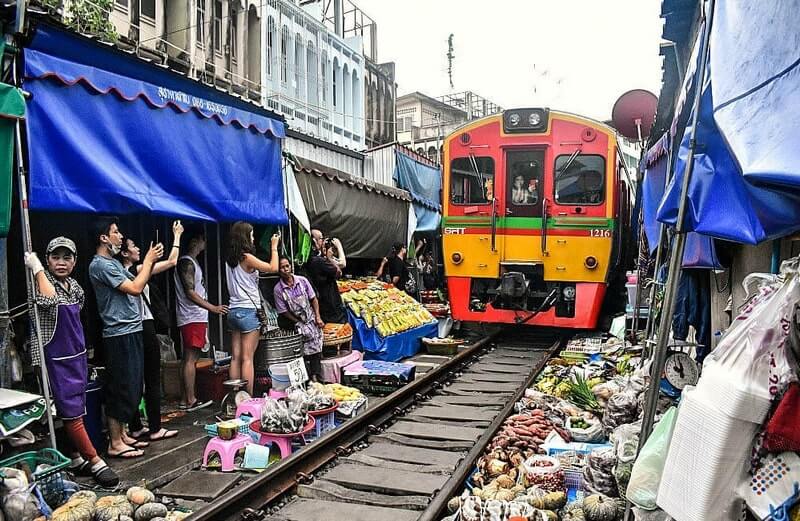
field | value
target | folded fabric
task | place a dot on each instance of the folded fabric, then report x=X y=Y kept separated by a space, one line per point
x=783 y=429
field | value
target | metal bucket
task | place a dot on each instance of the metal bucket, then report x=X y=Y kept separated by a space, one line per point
x=277 y=348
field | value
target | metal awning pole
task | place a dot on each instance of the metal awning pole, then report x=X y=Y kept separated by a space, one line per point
x=29 y=278
x=221 y=336
x=668 y=308
x=286 y=205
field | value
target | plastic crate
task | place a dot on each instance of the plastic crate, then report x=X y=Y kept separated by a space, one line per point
x=50 y=480
x=244 y=426
x=377 y=384
x=591 y=346
x=573 y=479
x=324 y=423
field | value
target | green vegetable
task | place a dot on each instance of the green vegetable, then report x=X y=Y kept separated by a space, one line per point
x=581 y=394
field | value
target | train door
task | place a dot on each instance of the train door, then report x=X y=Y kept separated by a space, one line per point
x=523 y=204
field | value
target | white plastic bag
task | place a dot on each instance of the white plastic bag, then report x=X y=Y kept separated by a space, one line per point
x=771 y=485
x=754 y=352
x=646 y=473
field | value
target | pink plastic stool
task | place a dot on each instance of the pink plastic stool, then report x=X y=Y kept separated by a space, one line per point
x=282 y=441
x=251 y=407
x=276 y=395
x=226 y=449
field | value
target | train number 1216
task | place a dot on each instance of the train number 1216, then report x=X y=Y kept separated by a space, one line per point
x=599 y=233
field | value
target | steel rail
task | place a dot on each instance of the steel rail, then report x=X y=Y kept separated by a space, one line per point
x=454 y=485
x=281 y=478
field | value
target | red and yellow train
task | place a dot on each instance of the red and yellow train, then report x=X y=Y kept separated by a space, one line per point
x=534 y=218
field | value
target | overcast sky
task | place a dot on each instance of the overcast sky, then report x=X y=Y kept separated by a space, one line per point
x=573 y=55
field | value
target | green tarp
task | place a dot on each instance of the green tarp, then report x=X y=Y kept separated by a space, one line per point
x=12 y=108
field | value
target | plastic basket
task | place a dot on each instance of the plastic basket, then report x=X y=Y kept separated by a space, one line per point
x=244 y=426
x=591 y=346
x=573 y=479
x=49 y=480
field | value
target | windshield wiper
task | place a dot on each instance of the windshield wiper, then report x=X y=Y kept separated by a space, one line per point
x=478 y=174
x=568 y=164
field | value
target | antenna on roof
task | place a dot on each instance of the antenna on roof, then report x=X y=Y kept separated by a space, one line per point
x=450 y=57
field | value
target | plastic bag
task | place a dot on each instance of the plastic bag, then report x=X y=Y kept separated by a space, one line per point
x=753 y=353
x=592 y=434
x=771 y=486
x=598 y=475
x=646 y=474
x=167 y=348
x=621 y=408
x=24 y=504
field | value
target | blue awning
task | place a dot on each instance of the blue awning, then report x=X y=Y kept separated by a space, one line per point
x=745 y=186
x=424 y=182
x=110 y=133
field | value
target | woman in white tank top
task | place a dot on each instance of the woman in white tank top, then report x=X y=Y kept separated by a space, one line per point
x=242 y=269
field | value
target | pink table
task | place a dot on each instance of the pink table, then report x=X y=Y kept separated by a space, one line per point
x=331 y=368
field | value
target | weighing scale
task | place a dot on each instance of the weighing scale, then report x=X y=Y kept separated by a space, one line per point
x=234 y=397
x=680 y=370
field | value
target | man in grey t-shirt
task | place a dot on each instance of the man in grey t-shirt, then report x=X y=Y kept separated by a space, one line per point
x=117 y=292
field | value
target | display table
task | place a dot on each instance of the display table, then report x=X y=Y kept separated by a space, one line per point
x=391 y=348
x=332 y=367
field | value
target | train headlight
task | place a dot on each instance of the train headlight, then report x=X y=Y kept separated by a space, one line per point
x=513 y=119
x=534 y=118
x=457 y=258
x=590 y=262
x=568 y=292
x=526 y=120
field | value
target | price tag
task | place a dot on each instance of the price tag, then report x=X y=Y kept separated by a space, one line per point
x=297 y=372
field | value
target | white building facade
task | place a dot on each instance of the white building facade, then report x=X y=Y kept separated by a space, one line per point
x=312 y=76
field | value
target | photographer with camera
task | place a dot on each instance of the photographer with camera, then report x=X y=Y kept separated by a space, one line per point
x=325 y=265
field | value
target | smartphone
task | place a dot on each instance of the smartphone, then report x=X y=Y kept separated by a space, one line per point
x=156 y=236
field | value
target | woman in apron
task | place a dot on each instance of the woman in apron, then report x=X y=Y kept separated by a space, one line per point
x=296 y=301
x=59 y=299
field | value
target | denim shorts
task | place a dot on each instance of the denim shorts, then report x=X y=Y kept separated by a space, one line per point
x=243 y=320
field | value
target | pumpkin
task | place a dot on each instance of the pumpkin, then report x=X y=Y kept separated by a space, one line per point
x=148 y=511
x=554 y=500
x=549 y=515
x=574 y=515
x=84 y=495
x=110 y=508
x=599 y=508
x=140 y=496
x=74 y=510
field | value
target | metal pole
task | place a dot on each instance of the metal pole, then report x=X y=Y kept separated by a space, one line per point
x=660 y=354
x=29 y=278
x=219 y=287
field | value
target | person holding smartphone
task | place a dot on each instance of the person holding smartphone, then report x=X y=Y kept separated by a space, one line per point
x=130 y=257
x=324 y=267
x=242 y=268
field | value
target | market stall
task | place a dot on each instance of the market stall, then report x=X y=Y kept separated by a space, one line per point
x=388 y=324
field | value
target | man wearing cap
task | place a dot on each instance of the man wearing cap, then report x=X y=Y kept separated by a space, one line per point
x=59 y=299
x=117 y=292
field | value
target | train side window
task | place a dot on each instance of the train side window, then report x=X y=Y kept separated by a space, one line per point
x=472 y=180
x=583 y=181
x=524 y=183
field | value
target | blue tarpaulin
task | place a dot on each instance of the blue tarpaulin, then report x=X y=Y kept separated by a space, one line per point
x=424 y=182
x=745 y=186
x=110 y=133
x=699 y=250
x=391 y=348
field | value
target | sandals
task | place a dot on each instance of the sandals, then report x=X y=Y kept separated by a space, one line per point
x=165 y=435
x=122 y=455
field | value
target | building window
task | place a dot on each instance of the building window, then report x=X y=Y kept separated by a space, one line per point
x=324 y=71
x=218 y=25
x=200 y=23
x=270 y=44
x=284 y=53
x=335 y=85
x=123 y=4
x=298 y=64
x=147 y=8
x=234 y=35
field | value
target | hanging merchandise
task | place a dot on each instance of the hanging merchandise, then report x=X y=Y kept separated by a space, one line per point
x=773 y=487
x=750 y=367
x=646 y=473
x=783 y=430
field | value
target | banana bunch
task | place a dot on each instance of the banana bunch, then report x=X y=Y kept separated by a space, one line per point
x=389 y=311
x=342 y=393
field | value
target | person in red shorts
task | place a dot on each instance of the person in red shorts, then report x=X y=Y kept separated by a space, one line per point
x=192 y=311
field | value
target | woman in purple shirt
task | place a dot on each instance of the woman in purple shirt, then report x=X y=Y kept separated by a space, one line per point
x=296 y=301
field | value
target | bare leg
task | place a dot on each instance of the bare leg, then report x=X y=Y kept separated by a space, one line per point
x=117 y=444
x=249 y=346
x=190 y=357
x=235 y=371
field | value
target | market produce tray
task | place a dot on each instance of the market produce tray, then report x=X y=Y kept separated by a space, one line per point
x=436 y=346
x=376 y=377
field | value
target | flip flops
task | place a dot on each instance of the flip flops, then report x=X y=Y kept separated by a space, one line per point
x=194 y=405
x=165 y=435
x=122 y=455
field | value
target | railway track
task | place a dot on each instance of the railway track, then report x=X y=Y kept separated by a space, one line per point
x=405 y=457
